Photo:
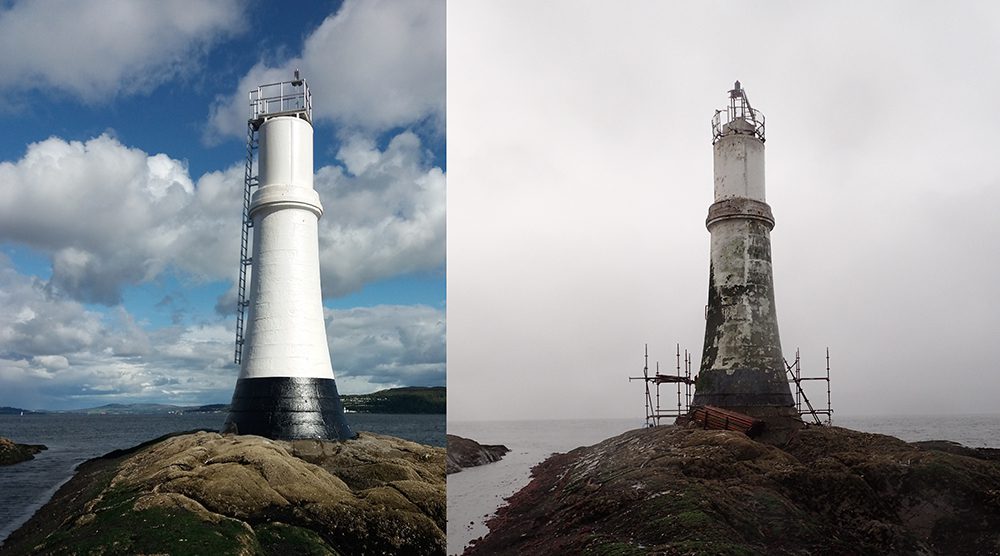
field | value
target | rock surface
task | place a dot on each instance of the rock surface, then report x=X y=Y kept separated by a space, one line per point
x=11 y=452
x=206 y=493
x=672 y=491
x=464 y=452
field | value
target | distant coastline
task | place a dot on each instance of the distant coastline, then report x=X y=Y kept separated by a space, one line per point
x=408 y=399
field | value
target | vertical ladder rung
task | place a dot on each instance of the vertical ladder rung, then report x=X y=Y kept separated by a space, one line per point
x=249 y=181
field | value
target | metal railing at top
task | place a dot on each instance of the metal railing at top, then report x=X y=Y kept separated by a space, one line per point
x=284 y=97
x=750 y=115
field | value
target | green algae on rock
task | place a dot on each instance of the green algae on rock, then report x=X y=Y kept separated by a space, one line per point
x=206 y=493
x=671 y=490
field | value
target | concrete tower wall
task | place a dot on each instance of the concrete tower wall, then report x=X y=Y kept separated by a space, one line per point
x=742 y=367
x=742 y=363
x=286 y=388
x=739 y=169
x=286 y=152
x=286 y=333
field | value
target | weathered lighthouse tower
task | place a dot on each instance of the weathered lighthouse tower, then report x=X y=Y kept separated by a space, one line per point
x=286 y=388
x=742 y=367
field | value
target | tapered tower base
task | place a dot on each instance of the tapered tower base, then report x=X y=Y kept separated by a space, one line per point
x=288 y=408
x=741 y=389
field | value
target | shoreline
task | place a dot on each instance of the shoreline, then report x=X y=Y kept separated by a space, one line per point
x=184 y=481
x=74 y=439
x=484 y=490
x=684 y=489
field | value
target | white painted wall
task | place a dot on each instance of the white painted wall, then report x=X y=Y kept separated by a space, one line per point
x=286 y=334
x=739 y=167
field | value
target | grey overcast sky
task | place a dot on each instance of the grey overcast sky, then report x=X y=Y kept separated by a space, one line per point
x=580 y=174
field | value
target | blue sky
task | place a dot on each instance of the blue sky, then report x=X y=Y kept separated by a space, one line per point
x=120 y=175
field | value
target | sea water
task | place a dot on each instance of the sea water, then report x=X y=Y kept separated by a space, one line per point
x=475 y=494
x=74 y=438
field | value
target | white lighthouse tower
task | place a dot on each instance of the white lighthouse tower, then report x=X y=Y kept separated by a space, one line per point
x=286 y=388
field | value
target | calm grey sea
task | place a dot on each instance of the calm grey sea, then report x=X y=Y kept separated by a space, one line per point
x=73 y=439
x=475 y=494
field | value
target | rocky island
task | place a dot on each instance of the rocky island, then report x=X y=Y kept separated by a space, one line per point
x=464 y=452
x=671 y=490
x=11 y=452
x=206 y=493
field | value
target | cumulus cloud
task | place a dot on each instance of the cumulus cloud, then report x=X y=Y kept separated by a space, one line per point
x=373 y=65
x=389 y=219
x=110 y=215
x=94 y=49
x=386 y=346
x=54 y=349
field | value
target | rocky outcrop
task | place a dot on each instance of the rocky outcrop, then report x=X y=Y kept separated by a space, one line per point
x=463 y=452
x=208 y=493
x=11 y=452
x=671 y=490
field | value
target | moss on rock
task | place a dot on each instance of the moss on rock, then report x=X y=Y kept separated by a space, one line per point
x=671 y=490
x=11 y=452
x=206 y=493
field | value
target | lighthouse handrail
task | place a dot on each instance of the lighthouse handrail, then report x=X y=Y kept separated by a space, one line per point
x=746 y=113
x=281 y=98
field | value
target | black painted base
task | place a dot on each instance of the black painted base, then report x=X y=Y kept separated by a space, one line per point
x=288 y=408
x=750 y=391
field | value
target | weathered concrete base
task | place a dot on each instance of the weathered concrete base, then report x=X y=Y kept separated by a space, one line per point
x=751 y=389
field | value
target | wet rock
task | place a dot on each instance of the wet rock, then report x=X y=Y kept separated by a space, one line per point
x=464 y=452
x=11 y=452
x=672 y=490
x=208 y=493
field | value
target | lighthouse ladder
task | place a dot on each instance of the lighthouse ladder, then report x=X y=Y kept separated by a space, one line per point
x=249 y=182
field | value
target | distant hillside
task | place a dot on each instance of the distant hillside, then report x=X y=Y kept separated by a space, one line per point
x=148 y=409
x=14 y=411
x=119 y=408
x=409 y=399
x=210 y=408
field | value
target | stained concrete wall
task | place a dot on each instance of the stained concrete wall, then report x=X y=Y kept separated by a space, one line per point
x=742 y=365
x=739 y=164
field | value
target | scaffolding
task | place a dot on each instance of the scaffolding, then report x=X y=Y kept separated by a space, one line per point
x=795 y=373
x=654 y=412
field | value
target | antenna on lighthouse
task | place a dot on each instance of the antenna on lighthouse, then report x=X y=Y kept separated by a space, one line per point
x=740 y=117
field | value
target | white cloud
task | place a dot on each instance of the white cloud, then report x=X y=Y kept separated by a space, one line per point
x=580 y=172
x=54 y=349
x=52 y=362
x=95 y=49
x=387 y=220
x=386 y=346
x=374 y=65
x=110 y=215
